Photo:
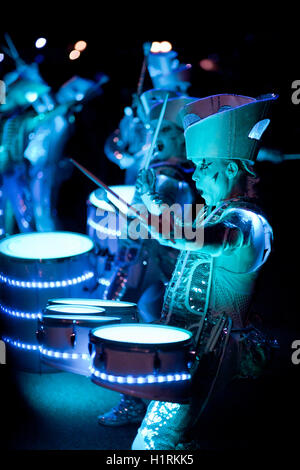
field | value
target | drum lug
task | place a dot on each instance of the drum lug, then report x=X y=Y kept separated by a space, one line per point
x=101 y=357
x=73 y=339
x=40 y=334
x=156 y=363
x=90 y=347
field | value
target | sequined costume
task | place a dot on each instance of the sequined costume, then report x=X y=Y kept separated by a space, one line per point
x=211 y=287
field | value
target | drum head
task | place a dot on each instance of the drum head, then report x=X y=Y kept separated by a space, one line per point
x=144 y=335
x=82 y=320
x=92 y=302
x=65 y=309
x=45 y=245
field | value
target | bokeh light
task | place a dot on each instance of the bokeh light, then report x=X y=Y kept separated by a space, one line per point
x=40 y=42
x=80 y=46
x=74 y=55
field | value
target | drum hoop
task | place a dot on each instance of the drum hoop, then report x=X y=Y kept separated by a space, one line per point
x=101 y=311
x=63 y=322
x=17 y=259
x=145 y=347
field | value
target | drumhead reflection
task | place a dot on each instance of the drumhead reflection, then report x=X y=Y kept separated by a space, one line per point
x=74 y=309
x=46 y=245
x=142 y=334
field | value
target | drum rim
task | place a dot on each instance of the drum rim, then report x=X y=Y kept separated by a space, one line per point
x=65 y=321
x=100 y=310
x=47 y=260
x=120 y=345
x=129 y=304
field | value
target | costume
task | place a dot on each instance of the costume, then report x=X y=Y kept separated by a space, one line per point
x=211 y=287
x=143 y=267
x=34 y=128
x=127 y=146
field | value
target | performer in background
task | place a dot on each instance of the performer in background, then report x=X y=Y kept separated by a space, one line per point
x=35 y=125
x=214 y=278
x=144 y=267
x=127 y=146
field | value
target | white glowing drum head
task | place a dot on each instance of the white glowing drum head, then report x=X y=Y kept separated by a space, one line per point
x=128 y=311
x=69 y=310
x=46 y=245
x=83 y=320
x=147 y=335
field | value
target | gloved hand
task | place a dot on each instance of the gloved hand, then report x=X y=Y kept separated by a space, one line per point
x=145 y=182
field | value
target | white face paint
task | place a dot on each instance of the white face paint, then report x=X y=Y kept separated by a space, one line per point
x=211 y=180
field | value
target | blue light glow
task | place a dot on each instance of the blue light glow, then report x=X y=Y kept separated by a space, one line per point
x=18 y=314
x=142 y=334
x=92 y=302
x=47 y=284
x=46 y=352
x=46 y=245
x=74 y=309
x=78 y=318
x=140 y=380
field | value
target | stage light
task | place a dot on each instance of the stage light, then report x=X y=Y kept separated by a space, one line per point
x=161 y=47
x=165 y=46
x=155 y=47
x=80 y=46
x=74 y=55
x=1 y=56
x=41 y=42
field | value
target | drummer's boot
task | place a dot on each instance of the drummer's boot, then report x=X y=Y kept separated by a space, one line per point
x=129 y=410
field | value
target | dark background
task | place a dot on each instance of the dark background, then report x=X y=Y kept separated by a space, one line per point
x=249 y=63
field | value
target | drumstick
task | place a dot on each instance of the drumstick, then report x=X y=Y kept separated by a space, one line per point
x=160 y=119
x=102 y=185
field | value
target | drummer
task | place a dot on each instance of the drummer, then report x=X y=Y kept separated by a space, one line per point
x=173 y=183
x=214 y=278
x=127 y=146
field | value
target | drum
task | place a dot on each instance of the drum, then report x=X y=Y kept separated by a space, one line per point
x=127 y=311
x=64 y=337
x=104 y=224
x=146 y=361
x=34 y=267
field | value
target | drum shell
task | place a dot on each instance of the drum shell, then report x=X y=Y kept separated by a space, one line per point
x=58 y=338
x=141 y=360
x=33 y=299
x=96 y=217
x=19 y=304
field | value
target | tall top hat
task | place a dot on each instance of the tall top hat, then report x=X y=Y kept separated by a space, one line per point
x=172 y=111
x=226 y=126
x=165 y=69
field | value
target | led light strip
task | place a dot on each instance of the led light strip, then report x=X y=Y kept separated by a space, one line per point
x=63 y=355
x=48 y=284
x=46 y=352
x=104 y=282
x=99 y=228
x=146 y=379
x=15 y=313
x=19 y=345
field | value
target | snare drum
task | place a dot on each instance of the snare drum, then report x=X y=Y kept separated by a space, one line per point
x=127 y=311
x=34 y=267
x=64 y=338
x=146 y=361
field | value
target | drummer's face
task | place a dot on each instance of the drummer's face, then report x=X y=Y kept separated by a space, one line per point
x=170 y=142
